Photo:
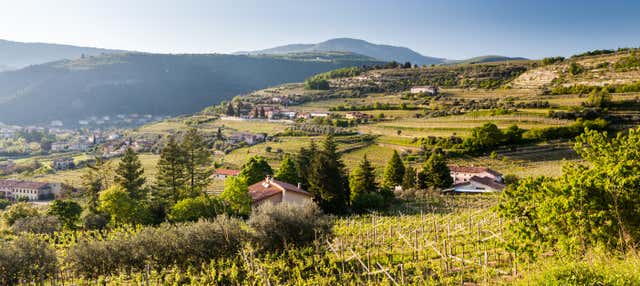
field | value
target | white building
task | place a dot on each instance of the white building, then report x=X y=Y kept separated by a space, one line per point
x=15 y=189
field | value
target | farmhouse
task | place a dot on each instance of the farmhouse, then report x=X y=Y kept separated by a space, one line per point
x=476 y=185
x=462 y=174
x=224 y=173
x=33 y=191
x=356 y=115
x=277 y=192
x=433 y=90
x=63 y=163
x=246 y=137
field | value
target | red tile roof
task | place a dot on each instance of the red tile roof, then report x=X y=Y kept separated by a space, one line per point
x=227 y=172
x=10 y=184
x=271 y=187
x=473 y=170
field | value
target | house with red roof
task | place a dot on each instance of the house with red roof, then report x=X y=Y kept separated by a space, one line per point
x=225 y=173
x=462 y=174
x=276 y=191
x=475 y=180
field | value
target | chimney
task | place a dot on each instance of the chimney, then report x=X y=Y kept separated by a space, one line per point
x=300 y=186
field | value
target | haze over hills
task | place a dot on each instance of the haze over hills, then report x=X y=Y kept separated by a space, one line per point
x=377 y=51
x=158 y=84
x=16 y=55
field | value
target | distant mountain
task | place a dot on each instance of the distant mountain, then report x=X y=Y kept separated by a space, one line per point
x=380 y=52
x=158 y=84
x=16 y=55
x=485 y=59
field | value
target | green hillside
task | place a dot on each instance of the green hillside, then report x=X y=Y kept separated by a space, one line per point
x=146 y=83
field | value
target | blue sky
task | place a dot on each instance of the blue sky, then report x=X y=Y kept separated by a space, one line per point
x=453 y=29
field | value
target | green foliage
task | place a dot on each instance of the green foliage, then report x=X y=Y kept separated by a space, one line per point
x=170 y=179
x=18 y=211
x=26 y=259
x=255 y=170
x=369 y=201
x=4 y=204
x=435 y=173
x=327 y=179
x=94 y=220
x=552 y=60
x=394 y=171
x=604 y=271
x=575 y=69
x=130 y=175
x=116 y=202
x=409 y=179
x=287 y=171
x=317 y=83
x=193 y=209
x=67 y=211
x=196 y=163
x=570 y=131
x=236 y=195
x=585 y=89
x=629 y=62
x=37 y=225
x=591 y=205
x=284 y=225
x=362 y=179
x=598 y=98
x=484 y=137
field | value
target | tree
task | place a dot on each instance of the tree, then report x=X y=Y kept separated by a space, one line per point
x=67 y=211
x=236 y=195
x=288 y=171
x=484 y=137
x=116 y=202
x=327 y=179
x=598 y=98
x=394 y=171
x=193 y=209
x=130 y=175
x=303 y=163
x=409 y=179
x=435 y=173
x=196 y=160
x=18 y=211
x=362 y=179
x=170 y=180
x=230 y=111
x=255 y=170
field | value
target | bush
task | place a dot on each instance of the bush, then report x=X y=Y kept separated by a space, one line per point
x=18 y=211
x=605 y=272
x=183 y=245
x=282 y=225
x=37 y=224
x=95 y=221
x=192 y=209
x=4 y=204
x=26 y=258
x=367 y=202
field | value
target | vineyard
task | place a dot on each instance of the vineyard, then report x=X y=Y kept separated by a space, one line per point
x=446 y=240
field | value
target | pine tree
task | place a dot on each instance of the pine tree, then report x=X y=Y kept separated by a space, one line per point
x=92 y=185
x=230 y=111
x=394 y=171
x=171 y=180
x=362 y=179
x=409 y=179
x=288 y=171
x=130 y=175
x=196 y=160
x=303 y=163
x=327 y=180
x=435 y=173
x=255 y=170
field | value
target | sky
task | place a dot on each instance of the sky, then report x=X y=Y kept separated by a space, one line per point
x=454 y=29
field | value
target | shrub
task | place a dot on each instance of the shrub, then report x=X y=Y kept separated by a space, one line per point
x=26 y=258
x=95 y=221
x=18 y=211
x=605 y=272
x=282 y=225
x=192 y=209
x=4 y=204
x=37 y=224
x=367 y=202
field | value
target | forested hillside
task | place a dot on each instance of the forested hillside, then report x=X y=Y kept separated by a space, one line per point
x=145 y=83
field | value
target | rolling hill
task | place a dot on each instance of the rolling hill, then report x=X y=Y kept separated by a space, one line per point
x=16 y=55
x=485 y=59
x=380 y=52
x=158 y=84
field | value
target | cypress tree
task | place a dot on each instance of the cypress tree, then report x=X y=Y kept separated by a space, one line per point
x=92 y=185
x=303 y=163
x=362 y=179
x=130 y=175
x=171 y=180
x=394 y=171
x=435 y=173
x=409 y=179
x=327 y=180
x=288 y=171
x=196 y=160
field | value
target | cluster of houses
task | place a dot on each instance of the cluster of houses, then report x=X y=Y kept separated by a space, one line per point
x=275 y=112
x=117 y=148
x=246 y=137
x=82 y=143
x=118 y=120
x=30 y=190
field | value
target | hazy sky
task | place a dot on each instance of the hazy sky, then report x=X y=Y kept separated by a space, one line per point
x=447 y=28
